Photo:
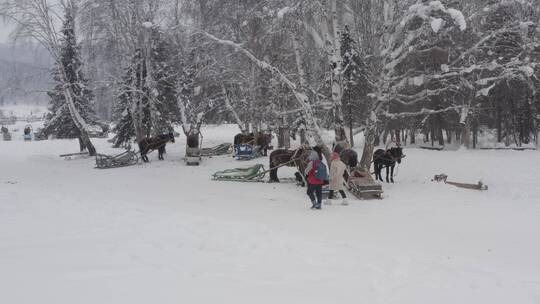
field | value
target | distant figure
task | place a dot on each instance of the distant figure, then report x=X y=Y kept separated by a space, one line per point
x=317 y=174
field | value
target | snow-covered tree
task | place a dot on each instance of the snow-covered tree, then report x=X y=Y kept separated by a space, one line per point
x=59 y=121
x=502 y=63
x=147 y=99
x=37 y=20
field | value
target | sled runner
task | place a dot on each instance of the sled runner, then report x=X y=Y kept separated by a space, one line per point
x=71 y=156
x=362 y=185
x=249 y=174
x=247 y=152
x=222 y=149
x=128 y=158
x=444 y=178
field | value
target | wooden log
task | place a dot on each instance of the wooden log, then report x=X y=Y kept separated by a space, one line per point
x=434 y=148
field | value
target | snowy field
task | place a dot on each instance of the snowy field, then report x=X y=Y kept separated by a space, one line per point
x=165 y=233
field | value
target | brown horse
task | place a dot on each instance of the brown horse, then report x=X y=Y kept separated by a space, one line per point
x=263 y=140
x=149 y=144
x=291 y=158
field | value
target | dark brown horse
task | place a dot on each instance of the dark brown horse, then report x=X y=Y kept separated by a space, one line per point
x=263 y=140
x=346 y=154
x=149 y=144
x=291 y=158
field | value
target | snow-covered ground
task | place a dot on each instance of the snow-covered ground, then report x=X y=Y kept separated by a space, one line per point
x=165 y=233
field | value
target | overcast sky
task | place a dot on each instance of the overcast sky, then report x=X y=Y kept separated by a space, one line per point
x=5 y=30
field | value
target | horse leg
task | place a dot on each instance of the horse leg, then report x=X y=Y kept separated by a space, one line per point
x=392 y=174
x=378 y=171
x=273 y=176
x=144 y=157
x=160 y=153
x=387 y=173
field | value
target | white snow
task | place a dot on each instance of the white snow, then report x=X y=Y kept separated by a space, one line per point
x=147 y=24
x=458 y=17
x=418 y=80
x=485 y=91
x=527 y=70
x=436 y=24
x=445 y=68
x=424 y=10
x=165 y=233
x=282 y=12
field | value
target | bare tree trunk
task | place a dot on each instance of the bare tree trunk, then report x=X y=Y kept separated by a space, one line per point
x=369 y=146
x=440 y=136
x=351 y=135
x=284 y=138
x=475 y=135
x=78 y=120
x=466 y=135
x=229 y=106
x=303 y=138
x=333 y=51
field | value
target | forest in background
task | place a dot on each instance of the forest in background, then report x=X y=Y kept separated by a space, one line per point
x=449 y=70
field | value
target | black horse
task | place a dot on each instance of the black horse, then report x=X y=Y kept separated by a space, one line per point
x=149 y=144
x=388 y=159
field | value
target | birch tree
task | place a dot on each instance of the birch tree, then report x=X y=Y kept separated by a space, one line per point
x=38 y=19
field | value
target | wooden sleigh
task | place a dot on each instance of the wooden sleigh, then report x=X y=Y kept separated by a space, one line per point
x=127 y=158
x=363 y=186
x=444 y=178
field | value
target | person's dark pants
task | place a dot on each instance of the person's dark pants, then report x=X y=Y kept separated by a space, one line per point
x=331 y=194
x=315 y=194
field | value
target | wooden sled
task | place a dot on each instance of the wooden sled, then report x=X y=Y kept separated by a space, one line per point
x=363 y=186
x=444 y=178
x=222 y=149
x=247 y=152
x=128 y=158
x=254 y=173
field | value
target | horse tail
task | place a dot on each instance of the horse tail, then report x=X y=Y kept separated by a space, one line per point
x=353 y=159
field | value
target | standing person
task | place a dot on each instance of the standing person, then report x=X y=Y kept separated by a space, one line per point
x=337 y=171
x=317 y=174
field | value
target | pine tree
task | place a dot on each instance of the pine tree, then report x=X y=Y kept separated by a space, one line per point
x=59 y=121
x=356 y=83
x=132 y=94
x=164 y=93
x=147 y=103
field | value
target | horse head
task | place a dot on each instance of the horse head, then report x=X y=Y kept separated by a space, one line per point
x=397 y=154
x=170 y=137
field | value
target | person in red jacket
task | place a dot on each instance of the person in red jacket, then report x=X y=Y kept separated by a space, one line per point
x=314 y=189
